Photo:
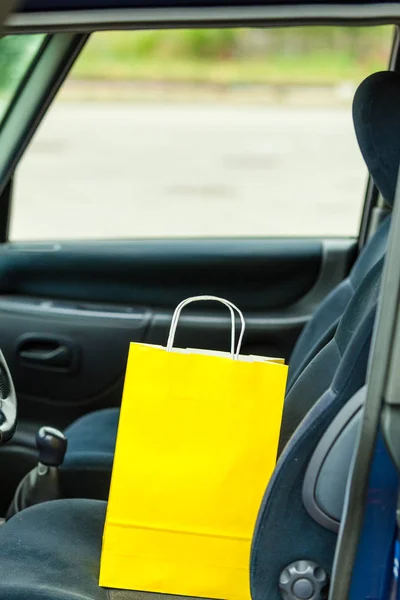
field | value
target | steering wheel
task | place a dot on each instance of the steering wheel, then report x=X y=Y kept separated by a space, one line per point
x=8 y=403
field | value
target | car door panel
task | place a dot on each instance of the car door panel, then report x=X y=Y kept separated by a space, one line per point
x=69 y=311
x=257 y=274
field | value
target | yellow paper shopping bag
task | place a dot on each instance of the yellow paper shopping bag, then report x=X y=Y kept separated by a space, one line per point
x=196 y=446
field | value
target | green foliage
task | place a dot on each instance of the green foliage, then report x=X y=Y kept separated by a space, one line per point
x=291 y=55
x=205 y=43
x=229 y=43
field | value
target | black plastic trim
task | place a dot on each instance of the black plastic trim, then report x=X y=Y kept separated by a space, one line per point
x=79 y=5
x=326 y=444
x=5 y=210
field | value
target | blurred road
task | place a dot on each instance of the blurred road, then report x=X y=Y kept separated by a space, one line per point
x=131 y=170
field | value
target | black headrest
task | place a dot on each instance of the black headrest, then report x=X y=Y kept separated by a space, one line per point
x=376 y=115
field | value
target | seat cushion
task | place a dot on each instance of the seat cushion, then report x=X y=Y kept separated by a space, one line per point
x=52 y=552
x=88 y=462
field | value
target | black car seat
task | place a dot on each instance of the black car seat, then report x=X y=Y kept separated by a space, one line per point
x=87 y=466
x=52 y=551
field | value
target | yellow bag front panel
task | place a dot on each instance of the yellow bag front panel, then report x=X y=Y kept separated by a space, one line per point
x=196 y=445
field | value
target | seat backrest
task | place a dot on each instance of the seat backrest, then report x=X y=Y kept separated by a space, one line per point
x=374 y=130
x=322 y=326
x=318 y=375
x=377 y=122
x=285 y=531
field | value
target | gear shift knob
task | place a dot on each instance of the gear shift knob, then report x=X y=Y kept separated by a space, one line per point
x=52 y=446
x=42 y=483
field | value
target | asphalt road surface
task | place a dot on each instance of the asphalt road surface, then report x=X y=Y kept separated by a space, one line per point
x=109 y=170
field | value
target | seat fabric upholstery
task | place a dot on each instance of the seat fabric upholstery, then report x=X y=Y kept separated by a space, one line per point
x=321 y=328
x=285 y=532
x=86 y=471
x=376 y=119
x=318 y=375
x=52 y=552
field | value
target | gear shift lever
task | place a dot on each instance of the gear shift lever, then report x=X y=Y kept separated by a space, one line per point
x=52 y=446
x=42 y=483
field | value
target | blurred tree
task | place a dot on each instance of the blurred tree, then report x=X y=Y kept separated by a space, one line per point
x=291 y=55
x=233 y=43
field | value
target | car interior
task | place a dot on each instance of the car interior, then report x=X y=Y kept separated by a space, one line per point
x=68 y=311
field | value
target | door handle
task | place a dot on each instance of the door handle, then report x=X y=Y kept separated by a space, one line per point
x=47 y=352
x=59 y=357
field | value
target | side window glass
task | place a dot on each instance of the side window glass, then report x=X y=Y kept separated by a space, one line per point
x=216 y=133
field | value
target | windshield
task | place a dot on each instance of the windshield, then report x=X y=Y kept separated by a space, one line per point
x=17 y=53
